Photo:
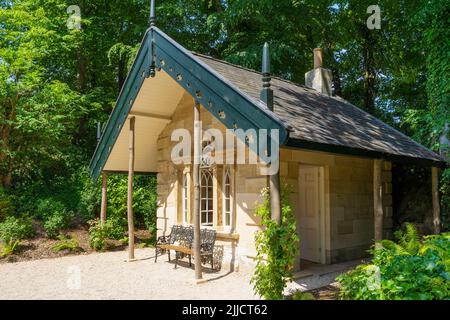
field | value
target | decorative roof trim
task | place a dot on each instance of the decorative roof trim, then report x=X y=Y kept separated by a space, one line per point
x=209 y=88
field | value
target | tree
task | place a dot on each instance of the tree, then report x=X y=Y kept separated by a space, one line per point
x=36 y=112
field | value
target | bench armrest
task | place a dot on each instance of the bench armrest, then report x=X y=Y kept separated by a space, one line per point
x=163 y=240
x=207 y=248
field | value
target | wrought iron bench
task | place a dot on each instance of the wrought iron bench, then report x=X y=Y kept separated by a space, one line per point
x=181 y=241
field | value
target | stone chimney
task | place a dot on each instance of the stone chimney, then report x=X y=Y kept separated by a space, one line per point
x=319 y=78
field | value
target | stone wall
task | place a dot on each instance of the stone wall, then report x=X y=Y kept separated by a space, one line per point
x=347 y=195
x=351 y=199
x=235 y=242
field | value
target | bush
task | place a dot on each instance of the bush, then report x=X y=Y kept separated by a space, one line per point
x=6 y=205
x=116 y=227
x=54 y=223
x=54 y=215
x=409 y=269
x=13 y=229
x=9 y=248
x=65 y=243
x=276 y=246
x=99 y=233
x=89 y=197
x=144 y=199
x=299 y=295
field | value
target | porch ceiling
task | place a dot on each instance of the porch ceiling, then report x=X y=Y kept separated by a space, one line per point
x=153 y=108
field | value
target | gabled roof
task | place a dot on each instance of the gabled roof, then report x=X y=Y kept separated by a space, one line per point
x=214 y=92
x=304 y=118
x=321 y=122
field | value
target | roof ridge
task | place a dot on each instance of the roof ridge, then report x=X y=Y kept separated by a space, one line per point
x=252 y=70
x=424 y=151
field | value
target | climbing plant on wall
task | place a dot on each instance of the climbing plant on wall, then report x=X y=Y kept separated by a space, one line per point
x=277 y=245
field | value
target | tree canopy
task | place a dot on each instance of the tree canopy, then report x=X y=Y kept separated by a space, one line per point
x=57 y=82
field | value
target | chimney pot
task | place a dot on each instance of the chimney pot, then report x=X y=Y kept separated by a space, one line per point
x=318 y=58
x=319 y=79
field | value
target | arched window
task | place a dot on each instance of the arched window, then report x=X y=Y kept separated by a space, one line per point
x=227 y=197
x=206 y=197
x=185 y=191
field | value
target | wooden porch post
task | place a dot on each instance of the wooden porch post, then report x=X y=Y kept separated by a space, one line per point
x=275 y=201
x=104 y=197
x=267 y=97
x=378 y=201
x=435 y=197
x=130 y=192
x=196 y=179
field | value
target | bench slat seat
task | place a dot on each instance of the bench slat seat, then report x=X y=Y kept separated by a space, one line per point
x=176 y=248
x=181 y=240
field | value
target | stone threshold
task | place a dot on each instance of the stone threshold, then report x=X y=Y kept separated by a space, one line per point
x=324 y=269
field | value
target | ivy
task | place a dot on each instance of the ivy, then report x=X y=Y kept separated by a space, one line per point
x=277 y=245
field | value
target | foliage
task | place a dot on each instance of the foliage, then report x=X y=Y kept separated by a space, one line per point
x=409 y=269
x=9 y=248
x=57 y=83
x=89 y=197
x=54 y=223
x=445 y=200
x=144 y=199
x=64 y=243
x=13 y=229
x=276 y=246
x=55 y=216
x=299 y=295
x=99 y=233
x=6 y=206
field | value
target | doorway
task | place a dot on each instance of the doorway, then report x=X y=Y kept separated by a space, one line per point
x=309 y=214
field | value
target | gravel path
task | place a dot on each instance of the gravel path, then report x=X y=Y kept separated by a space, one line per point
x=108 y=276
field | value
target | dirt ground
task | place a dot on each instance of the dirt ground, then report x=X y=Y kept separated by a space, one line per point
x=41 y=247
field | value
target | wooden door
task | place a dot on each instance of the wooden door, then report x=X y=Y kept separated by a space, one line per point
x=308 y=212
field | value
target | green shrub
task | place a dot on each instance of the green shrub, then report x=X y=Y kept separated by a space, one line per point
x=144 y=199
x=6 y=204
x=65 y=243
x=54 y=215
x=116 y=227
x=13 y=229
x=409 y=269
x=445 y=199
x=99 y=233
x=9 y=248
x=124 y=241
x=299 y=295
x=89 y=197
x=276 y=246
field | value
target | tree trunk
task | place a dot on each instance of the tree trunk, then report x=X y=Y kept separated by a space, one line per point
x=104 y=197
x=369 y=70
x=436 y=202
x=130 y=191
x=196 y=178
x=5 y=135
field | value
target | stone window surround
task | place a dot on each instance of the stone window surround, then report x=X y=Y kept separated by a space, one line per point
x=225 y=232
x=185 y=197
x=227 y=172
